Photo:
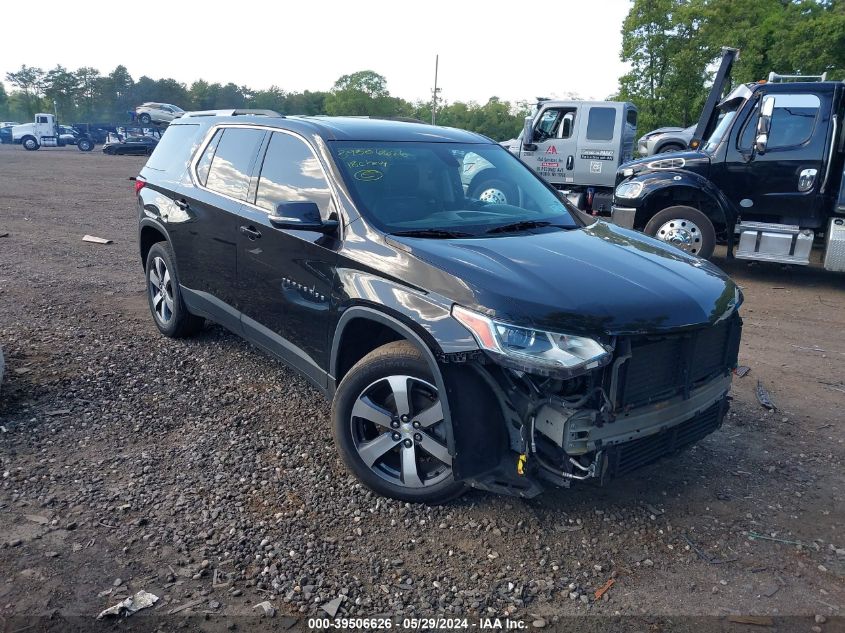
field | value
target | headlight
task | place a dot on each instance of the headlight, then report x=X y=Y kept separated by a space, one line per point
x=534 y=351
x=629 y=190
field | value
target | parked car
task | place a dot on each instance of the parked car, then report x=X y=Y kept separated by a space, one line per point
x=665 y=139
x=150 y=112
x=507 y=346
x=6 y=131
x=135 y=145
x=68 y=135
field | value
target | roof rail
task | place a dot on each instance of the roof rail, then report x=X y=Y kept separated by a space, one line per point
x=777 y=79
x=233 y=112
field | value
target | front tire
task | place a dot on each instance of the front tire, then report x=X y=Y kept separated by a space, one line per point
x=388 y=426
x=145 y=118
x=85 y=145
x=685 y=228
x=30 y=143
x=164 y=296
x=671 y=147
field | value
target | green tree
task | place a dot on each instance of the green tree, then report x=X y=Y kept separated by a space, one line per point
x=4 y=102
x=118 y=91
x=363 y=93
x=660 y=39
x=62 y=87
x=30 y=81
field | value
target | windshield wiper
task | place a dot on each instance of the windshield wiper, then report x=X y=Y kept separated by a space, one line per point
x=519 y=226
x=434 y=233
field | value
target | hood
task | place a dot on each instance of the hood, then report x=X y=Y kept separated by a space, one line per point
x=599 y=280
x=662 y=130
x=696 y=162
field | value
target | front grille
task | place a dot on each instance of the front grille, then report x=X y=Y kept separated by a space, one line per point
x=629 y=456
x=662 y=367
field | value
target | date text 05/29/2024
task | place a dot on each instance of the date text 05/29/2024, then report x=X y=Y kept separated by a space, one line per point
x=415 y=624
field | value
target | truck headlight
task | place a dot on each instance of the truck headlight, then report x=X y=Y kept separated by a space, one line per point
x=629 y=190
x=534 y=351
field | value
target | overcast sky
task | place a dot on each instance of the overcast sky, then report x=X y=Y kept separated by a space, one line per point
x=514 y=50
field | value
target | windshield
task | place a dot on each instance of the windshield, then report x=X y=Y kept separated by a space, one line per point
x=726 y=117
x=447 y=189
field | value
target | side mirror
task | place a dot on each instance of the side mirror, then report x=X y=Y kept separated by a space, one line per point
x=528 y=134
x=301 y=216
x=764 y=123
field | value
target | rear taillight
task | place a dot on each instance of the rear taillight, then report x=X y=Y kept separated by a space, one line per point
x=139 y=184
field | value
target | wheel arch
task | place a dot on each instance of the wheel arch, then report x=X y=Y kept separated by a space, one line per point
x=150 y=233
x=393 y=329
x=348 y=347
x=698 y=193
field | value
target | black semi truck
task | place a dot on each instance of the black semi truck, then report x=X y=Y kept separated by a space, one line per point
x=764 y=173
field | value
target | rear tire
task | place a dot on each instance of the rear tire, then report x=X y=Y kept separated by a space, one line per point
x=388 y=427
x=145 y=118
x=686 y=228
x=85 y=145
x=164 y=296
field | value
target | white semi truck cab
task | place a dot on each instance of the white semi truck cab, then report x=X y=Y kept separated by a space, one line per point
x=44 y=132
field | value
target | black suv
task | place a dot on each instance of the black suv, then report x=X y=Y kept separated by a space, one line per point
x=462 y=341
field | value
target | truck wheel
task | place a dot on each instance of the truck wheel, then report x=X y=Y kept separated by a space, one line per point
x=685 y=228
x=145 y=118
x=85 y=145
x=493 y=191
x=30 y=143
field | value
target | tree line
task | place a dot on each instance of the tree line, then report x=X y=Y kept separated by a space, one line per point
x=85 y=95
x=672 y=47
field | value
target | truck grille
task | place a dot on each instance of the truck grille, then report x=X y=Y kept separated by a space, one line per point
x=662 y=367
x=629 y=456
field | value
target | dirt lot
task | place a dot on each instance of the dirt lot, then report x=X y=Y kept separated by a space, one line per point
x=204 y=472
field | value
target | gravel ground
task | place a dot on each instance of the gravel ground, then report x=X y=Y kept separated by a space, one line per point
x=203 y=471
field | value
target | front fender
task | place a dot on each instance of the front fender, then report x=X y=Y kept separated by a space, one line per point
x=669 y=183
x=421 y=318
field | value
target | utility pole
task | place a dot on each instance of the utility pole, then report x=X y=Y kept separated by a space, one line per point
x=435 y=91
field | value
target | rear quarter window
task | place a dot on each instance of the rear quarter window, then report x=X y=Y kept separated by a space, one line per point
x=600 y=124
x=175 y=149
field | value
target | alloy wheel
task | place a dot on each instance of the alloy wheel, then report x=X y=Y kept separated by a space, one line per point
x=399 y=432
x=161 y=291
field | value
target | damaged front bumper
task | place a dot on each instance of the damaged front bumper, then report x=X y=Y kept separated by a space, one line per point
x=558 y=444
x=660 y=394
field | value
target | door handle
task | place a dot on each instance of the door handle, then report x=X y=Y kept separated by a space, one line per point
x=570 y=161
x=182 y=204
x=251 y=232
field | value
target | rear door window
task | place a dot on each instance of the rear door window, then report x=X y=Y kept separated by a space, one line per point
x=292 y=173
x=600 y=124
x=232 y=163
x=204 y=163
